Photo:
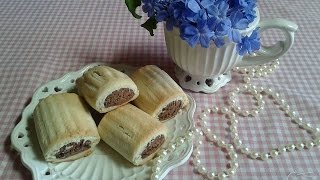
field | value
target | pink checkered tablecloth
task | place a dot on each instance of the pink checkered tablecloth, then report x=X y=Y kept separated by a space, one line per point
x=40 y=40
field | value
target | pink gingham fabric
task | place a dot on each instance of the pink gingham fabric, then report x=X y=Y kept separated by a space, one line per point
x=40 y=40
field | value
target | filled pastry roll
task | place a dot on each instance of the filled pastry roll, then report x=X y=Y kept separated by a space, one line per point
x=65 y=128
x=160 y=96
x=105 y=88
x=133 y=133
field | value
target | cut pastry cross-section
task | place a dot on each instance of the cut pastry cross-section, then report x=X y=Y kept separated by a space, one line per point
x=160 y=96
x=105 y=88
x=134 y=134
x=65 y=127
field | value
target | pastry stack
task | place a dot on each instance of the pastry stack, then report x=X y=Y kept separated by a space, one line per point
x=135 y=108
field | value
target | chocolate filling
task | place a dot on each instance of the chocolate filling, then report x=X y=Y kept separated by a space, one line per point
x=153 y=146
x=118 y=97
x=73 y=148
x=170 y=110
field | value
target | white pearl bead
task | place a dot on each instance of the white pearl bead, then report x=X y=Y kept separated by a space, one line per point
x=229 y=147
x=198 y=131
x=260 y=108
x=233 y=155
x=259 y=98
x=196 y=153
x=211 y=175
x=237 y=142
x=254 y=92
x=276 y=95
x=234 y=121
x=203 y=116
x=163 y=152
x=189 y=135
x=158 y=161
x=231 y=171
x=172 y=147
x=306 y=126
x=232 y=102
x=196 y=161
x=264 y=156
x=156 y=169
x=297 y=120
x=199 y=142
x=243 y=71
x=274 y=153
x=258 y=74
x=260 y=88
x=245 y=113
x=245 y=150
x=292 y=114
x=180 y=140
x=221 y=143
x=299 y=146
x=247 y=79
x=207 y=131
x=283 y=102
x=201 y=169
x=212 y=137
x=234 y=135
x=224 y=110
x=254 y=113
x=290 y=147
x=155 y=177
x=234 y=165
x=208 y=110
x=237 y=108
x=215 y=109
x=222 y=175
x=254 y=155
x=269 y=91
x=232 y=115
x=309 y=144
x=233 y=128
x=282 y=149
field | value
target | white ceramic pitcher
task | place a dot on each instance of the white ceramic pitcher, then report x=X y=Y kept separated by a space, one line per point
x=197 y=66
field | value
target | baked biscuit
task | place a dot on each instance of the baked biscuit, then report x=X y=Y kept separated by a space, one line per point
x=160 y=96
x=105 y=88
x=65 y=128
x=133 y=133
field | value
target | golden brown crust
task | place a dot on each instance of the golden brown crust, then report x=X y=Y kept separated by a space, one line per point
x=157 y=90
x=99 y=82
x=128 y=130
x=60 y=119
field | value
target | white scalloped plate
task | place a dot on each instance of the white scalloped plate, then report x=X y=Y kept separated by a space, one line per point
x=104 y=163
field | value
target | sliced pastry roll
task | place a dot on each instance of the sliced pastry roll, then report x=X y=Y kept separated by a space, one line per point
x=105 y=88
x=133 y=133
x=65 y=128
x=160 y=96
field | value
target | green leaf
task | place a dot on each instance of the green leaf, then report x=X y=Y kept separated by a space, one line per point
x=150 y=25
x=132 y=6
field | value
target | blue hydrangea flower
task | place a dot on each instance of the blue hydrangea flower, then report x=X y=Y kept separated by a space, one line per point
x=148 y=7
x=249 y=44
x=199 y=34
x=206 y=21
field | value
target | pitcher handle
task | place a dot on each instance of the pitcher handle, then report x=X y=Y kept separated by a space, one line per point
x=269 y=53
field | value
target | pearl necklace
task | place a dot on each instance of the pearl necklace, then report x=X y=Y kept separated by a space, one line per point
x=231 y=113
